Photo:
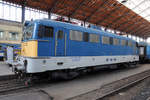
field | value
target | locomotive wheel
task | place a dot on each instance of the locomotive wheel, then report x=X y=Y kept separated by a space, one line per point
x=65 y=75
x=71 y=75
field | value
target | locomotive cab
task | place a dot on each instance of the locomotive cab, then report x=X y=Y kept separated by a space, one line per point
x=41 y=41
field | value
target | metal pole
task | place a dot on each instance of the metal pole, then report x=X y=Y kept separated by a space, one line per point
x=69 y=19
x=49 y=15
x=23 y=14
x=84 y=23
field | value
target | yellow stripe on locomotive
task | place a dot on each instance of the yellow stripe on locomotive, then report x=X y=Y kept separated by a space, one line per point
x=29 y=48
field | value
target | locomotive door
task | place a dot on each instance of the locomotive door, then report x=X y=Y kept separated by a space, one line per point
x=60 y=42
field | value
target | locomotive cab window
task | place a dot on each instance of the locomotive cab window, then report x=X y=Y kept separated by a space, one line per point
x=45 y=31
x=76 y=35
x=60 y=34
x=86 y=37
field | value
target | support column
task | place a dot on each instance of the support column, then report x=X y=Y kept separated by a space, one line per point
x=23 y=14
x=69 y=19
x=127 y=35
x=136 y=38
x=115 y=32
x=49 y=15
x=84 y=23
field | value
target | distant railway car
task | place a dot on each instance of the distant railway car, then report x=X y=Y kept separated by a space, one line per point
x=144 y=52
x=1 y=54
x=148 y=52
x=58 y=47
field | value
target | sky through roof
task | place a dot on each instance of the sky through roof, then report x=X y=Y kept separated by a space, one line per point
x=141 y=7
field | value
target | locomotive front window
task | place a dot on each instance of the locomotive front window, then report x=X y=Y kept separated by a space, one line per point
x=28 y=32
x=45 y=31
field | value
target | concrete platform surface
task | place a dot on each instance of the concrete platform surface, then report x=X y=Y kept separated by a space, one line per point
x=5 y=69
x=27 y=96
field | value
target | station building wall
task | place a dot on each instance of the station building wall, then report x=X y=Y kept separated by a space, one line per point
x=10 y=32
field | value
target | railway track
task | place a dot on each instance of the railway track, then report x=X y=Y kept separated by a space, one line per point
x=113 y=88
x=10 y=85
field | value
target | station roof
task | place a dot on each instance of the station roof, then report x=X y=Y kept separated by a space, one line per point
x=108 y=13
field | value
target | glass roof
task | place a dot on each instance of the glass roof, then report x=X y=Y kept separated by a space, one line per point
x=141 y=7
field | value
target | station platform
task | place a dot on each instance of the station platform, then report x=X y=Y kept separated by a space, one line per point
x=5 y=70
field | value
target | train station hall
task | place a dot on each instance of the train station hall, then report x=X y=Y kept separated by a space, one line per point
x=74 y=49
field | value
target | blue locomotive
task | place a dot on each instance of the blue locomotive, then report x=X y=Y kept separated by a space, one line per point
x=52 y=46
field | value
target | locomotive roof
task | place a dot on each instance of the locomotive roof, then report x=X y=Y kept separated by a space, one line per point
x=78 y=28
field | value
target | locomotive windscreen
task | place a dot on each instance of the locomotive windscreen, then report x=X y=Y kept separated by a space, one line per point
x=27 y=32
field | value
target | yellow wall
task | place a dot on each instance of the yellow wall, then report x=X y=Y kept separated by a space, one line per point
x=29 y=48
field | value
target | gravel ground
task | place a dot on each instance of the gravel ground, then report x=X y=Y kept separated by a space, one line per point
x=27 y=96
x=144 y=93
x=140 y=91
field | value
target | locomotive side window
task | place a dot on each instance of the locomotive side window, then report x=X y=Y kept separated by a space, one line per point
x=105 y=40
x=116 y=41
x=130 y=43
x=94 y=38
x=86 y=37
x=76 y=35
x=60 y=34
x=123 y=42
x=134 y=45
x=45 y=31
